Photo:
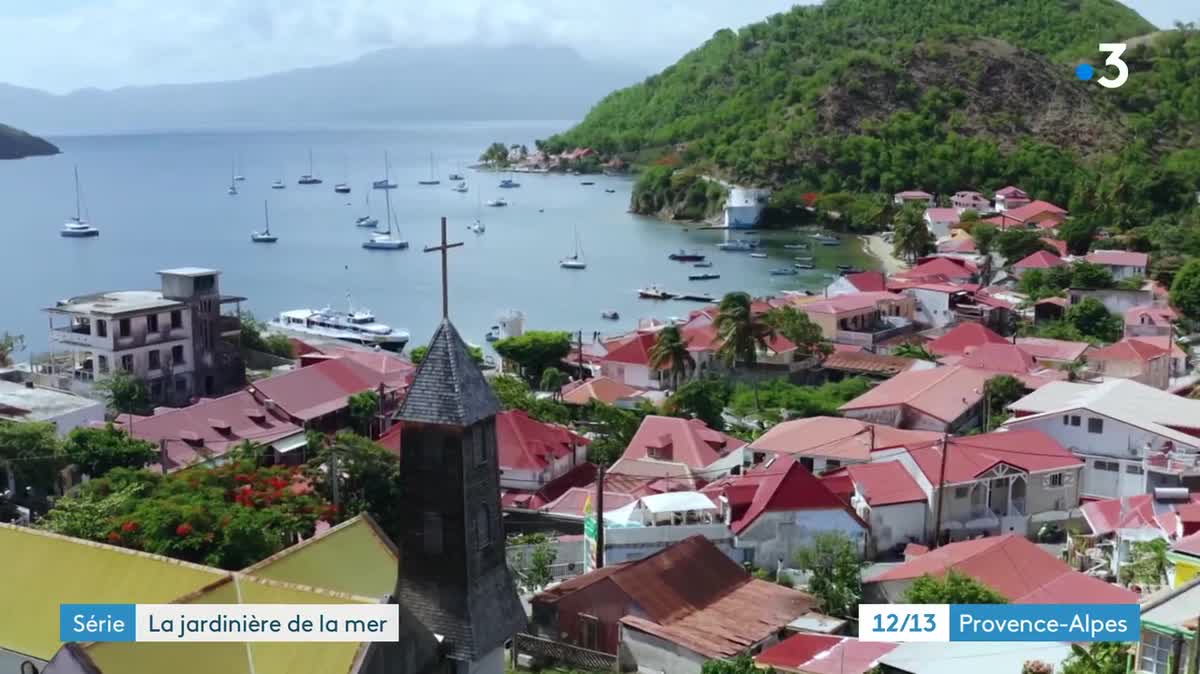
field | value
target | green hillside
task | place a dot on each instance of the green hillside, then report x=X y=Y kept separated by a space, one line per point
x=15 y=144
x=876 y=95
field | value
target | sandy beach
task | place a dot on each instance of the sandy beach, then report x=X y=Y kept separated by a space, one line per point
x=882 y=250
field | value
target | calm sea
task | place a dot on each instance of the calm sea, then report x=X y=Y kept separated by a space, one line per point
x=160 y=201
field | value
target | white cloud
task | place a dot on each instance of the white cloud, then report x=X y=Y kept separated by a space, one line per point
x=110 y=43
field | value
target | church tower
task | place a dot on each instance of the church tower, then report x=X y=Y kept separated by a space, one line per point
x=453 y=573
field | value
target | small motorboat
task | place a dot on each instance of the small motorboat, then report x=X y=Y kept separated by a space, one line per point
x=587 y=182
x=803 y=258
x=684 y=256
x=804 y=265
x=784 y=271
x=477 y=227
x=239 y=178
x=456 y=176
x=508 y=184
x=610 y=190
x=696 y=297
x=493 y=334
x=703 y=265
x=461 y=188
x=703 y=277
x=738 y=245
x=851 y=270
x=610 y=316
x=232 y=191
x=366 y=221
x=844 y=267
x=497 y=203
x=384 y=241
x=795 y=246
x=655 y=293
x=278 y=185
x=572 y=263
x=825 y=239
x=384 y=184
x=309 y=180
x=759 y=256
x=341 y=188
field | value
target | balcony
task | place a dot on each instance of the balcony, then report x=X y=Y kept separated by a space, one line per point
x=1182 y=463
x=80 y=336
x=869 y=336
x=229 y=326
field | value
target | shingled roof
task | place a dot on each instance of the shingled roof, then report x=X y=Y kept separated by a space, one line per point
x=449 y=388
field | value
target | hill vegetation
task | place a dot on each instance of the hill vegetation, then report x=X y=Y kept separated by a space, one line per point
x=16 y=144
x=870 y=96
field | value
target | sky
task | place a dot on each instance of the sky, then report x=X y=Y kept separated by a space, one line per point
x=61 y=45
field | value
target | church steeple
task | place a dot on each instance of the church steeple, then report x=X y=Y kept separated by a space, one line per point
x=453 y=573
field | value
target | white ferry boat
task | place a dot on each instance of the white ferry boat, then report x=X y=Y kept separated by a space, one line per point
x=356 y=326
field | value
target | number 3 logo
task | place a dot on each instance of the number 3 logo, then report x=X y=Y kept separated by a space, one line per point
x=1114 y=50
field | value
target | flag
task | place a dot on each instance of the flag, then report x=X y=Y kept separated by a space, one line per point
x=587 y=504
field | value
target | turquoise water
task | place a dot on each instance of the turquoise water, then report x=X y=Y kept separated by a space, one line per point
x=160 y=201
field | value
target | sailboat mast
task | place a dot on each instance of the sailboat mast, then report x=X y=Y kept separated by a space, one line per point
x=267 y=216
x=78 y=210
x=387 y=170
x=387 y=198
x=310 y=169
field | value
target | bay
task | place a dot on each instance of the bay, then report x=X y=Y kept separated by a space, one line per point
x=160 y=201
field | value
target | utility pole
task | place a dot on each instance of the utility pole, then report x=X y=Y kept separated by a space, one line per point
x=579 y=338
x=335 y=476
x=871 y=434
x=941 y=494
x=162 y=454
x=600 y=519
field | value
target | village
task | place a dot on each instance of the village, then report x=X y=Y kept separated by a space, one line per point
x=976 y=429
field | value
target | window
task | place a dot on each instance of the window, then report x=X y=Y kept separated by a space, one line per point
x=177 y=354
x=1074 y=420
x=1108 y=466
x=1095 y=425
x=1155 y=652
x=127 y=362
x=483 y=527
x=102 y=364
x=432 y=534
x=1066 y=419
x=589 y=631
x=176 y=319
x=152 y=323
x=155 y=360
x=101 y=328
x=1056 y=480
x=181 y=385
x=1133 y=469
x=123 y=327
x=830 y=464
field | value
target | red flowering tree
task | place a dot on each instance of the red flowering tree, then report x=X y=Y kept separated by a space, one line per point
x=229 y=516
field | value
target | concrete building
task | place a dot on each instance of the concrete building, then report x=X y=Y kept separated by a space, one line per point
x=655 y=522
x=912 y=197
x=1122 y=264
x=176 y=339
x=944 y=399
x=744 y=206
x=26 y=402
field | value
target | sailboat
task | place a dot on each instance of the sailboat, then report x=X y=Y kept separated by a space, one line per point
x=386 y=241
x=278 y=185
x=232 y=191
x=575 y=261
x=432 y=174
x=237 y=176
x=307 y=178
x=386 y=183
x=367 y=220
x=458 y=174
x=78 y=227
x=477 y=226
x=264 y=236
x=461 y=187
x=343 y=187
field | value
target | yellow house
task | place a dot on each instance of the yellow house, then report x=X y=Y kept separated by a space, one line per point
x=1185 y=555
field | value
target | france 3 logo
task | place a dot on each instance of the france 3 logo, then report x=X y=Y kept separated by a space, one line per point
x=1085 y=72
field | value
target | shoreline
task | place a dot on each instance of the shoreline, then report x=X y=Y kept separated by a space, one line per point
x=881 y=250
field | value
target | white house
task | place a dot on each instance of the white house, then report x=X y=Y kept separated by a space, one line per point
x=532 y=454
x=656 y=522
x=941 y=220
x=26 y=402
x=744 y=206
x=912 y=197
x=628 y=360
x=777 y=507
x=970 y=201
x=936 y=302
x=1010 y=197
x=888 y=498
x=1133 y=438
x=1122 y=264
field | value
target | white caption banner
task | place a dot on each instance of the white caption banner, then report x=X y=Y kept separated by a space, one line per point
x=268 y=622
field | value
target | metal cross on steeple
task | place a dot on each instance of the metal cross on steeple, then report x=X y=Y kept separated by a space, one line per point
x=445 y=275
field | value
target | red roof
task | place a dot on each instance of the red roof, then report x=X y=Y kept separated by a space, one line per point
x=778 y=485
x=944 y=393
x=1016 y=568
x=969 y=457
x=942 y=214
x=396 y=370
x=836 y=438
x=1188 y=545
x=580 y=476
x=211 y=427
x=314 y=391
x=1042 y=259
x=1118 y=258
x=952 y=268
x=687 y=441
x=885 y=483
x=867 y=281
x=1006 y=357
x=962 y=244
x=914 y=194
x=1158 y=316
x=1141 y=512
x=1011 y=191
x=604 y=389
x=964 y=335
x=848 y=302
x=1053 y=349
x=581 y=501
x=524 y=443
x=1058 y=244
x=822 y=654
x=1033 y=209
x=634 y=351
x=1131 y=350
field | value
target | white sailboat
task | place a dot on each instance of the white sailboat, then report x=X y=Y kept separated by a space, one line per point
x=344 y=186
x=278 y=185
x=264 y=236
x=78 y=227
x=232 y=191
x=237 y=176
x=433 y=180
x=386 y=183
x=461 y=187
x=575 y=261
x=386 y=241
x=367 y=220
x=478 y=226
x=309 y=178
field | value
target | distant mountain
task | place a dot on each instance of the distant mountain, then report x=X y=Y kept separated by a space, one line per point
x=392 y=85
x=16 y=144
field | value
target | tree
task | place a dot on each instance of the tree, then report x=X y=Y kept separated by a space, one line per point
x=417 y=355
x=912 y=236
x=1001 y=391
x=10 y=344
x=535 y=351
x=31 y=455
x=670 y=352
x=1017 y=244
x=742 y=664
x=1088 y=276
x=256 y=338
x=1078 y=234
x=703 y=399
x=370 y=479
x=514 y=394
x=799 y=329
x=1101 y=657
x=553 y=379
x=1092 y=319
x=954 y=588
x=496 y=153
x=540 y=570
x=363 y=406
x=1149 y=563
x=125 y=393
x=613 y=429
x=984 y=235
x=1185 y=290
x=914 y=350
x=740 y=331
x=834 y=570
x=99 y=450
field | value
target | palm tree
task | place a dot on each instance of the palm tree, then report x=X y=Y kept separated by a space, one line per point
x=985 y=237
x=912 y=237
x=740 y=331
x=913 y=350
x=670 y=351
